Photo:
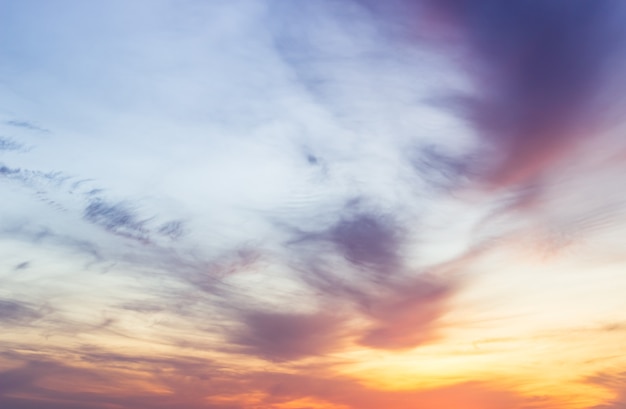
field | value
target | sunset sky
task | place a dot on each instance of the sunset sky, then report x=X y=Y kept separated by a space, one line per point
x=313 y=204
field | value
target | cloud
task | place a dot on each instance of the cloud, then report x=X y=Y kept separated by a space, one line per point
x=23 y=265
x=544 y=78
x=29 y=385
x=173 y=382
x=66 y=193
x=615 y=383
x=366 y=240
x=18 y=313
x=541 y=71
x=408 y=315
x=361 y=263
x=7 y=144
x=32 y=178
x=101 y=380
x=288 y=336
x=117 y=218
x=15 y=380
x=25 y=125
x=336 y=390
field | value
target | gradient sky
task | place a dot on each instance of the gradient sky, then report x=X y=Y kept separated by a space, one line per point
x=314 y=204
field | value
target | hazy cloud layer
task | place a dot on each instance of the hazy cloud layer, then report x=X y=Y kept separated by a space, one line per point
x=190 y=382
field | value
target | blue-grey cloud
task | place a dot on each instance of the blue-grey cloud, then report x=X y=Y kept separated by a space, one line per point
x=117 y=218
x=65 y=192
x=190 y=380
x=34 y=179
x=25 y=125
x=366 y=240
x=14 y=312
x=7 y=144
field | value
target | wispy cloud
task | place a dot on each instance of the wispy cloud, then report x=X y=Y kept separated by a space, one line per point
x=616 y=384
x=7 y=144
x=18 y=313
x=25 y=125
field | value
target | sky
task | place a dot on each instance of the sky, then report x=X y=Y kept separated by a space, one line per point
x=315 y=204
